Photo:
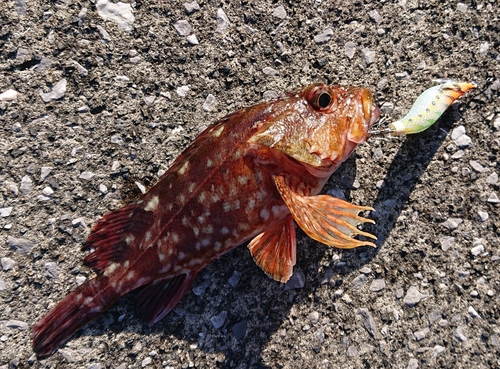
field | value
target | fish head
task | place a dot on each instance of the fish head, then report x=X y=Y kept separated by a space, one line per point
x=320 y=125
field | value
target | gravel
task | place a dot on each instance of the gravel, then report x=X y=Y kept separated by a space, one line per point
x=86 y=84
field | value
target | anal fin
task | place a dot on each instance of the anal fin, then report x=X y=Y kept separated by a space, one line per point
x=158 y=298
x=325 y=218
x=274 y=250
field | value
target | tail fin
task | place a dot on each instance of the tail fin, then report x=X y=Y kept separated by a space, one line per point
x=78 y=308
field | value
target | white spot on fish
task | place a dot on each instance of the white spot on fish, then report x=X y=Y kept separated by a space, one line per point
x=227 y=207
x=79 y=297
x=242 y=180
x=181 y=256
x=184 y=167
x=205 y=242
x=217 y=246
x=208 y=229
x=224 y=231
x=88 y=300
x=111 y=268
x=278 y=210
x=209 y=163
x=196 y=231
x=129 y=239
x=175 y=237
x=152 y=204
x=126 y=264
x=215 y=198
x=264 y=214
x=194 y=262
x=201 y=219
x=218 y=131
x=202 y=197
x=148 y=236
x=166 y=268
x=191 y=187
x=161 y=256
x=141 y=282
x=130 y=275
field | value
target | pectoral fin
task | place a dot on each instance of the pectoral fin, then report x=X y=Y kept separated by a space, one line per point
x=274 y=250
x=325 y=218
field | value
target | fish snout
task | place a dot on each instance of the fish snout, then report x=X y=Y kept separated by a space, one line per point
x=366 y=114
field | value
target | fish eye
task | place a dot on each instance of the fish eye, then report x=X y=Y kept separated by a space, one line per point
x=322 y=100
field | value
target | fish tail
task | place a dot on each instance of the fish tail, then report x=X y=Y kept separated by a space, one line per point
x=78 y=308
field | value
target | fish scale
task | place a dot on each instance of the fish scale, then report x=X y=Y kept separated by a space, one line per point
x=248 y=177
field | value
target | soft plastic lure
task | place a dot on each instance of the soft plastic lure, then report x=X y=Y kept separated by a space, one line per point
x=429 y=106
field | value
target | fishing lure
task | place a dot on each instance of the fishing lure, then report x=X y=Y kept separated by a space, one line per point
x=429 y=106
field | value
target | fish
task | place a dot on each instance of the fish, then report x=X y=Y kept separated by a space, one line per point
x=248 y=177
x=429 y=106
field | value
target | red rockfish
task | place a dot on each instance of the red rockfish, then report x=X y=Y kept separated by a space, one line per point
x=247 y=177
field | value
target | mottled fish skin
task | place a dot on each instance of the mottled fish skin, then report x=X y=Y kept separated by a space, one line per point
x=234 y=183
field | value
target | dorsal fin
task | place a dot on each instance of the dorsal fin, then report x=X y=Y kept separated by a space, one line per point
x=114 y=235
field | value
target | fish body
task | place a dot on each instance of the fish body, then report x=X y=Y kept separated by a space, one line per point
x=429 y=106
x=246 y=177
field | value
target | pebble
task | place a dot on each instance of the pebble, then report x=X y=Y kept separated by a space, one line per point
x=209 y=102
x=446 y=242
x=377 y=285
x=183 y=27
x=44 y=173
x=461 y=7
x=222 y=21
x=122 y=79
x=9 y=95
x=200 y=289
x=473 y=313
x=51 y=270
x=420 y=335
x=86 y=175
x=324 y=36
x=57 y=92
x=375 y=16
x=320 y=334
x=17 y=324
x=219 y=320
x=493 y=198
x=359 y=281
x=314 y=317
x=402 y=76
x=270 y=71
x=80 y=279
x=7 y=263
x=412 y=364
x=459 y=137
x=191 y=7
x=349 y=49
x=182 y=91
x=459 y=335
x=478 y=167
x=5 y=212
x=3 y=285
x=148 y=360
x=368 y=56
x=452 y=223
x=120 y=13
x=234 y=279
x=103 y=189
x=482 y=216
x=44 y=64
x=279 y=12
x=80 y=68
x=269 y=95
x=369 y=322
x=437 y=350
x=20 y=245
x=105 y=37
x=458 y=154
x=239 y=329
x=386 y=108
x=26 y=185
x=141 y=187
x=297 y=280
x=94 y=366
x=365 y=270
x=352 y=351
x=80 y=221
x=477 y=250
x=492 y=179
x=483 y=48
x=413 y=296
x=192 y=39
x=47 y=191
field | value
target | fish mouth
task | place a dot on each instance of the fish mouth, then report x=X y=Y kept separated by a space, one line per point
x=374 y=116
